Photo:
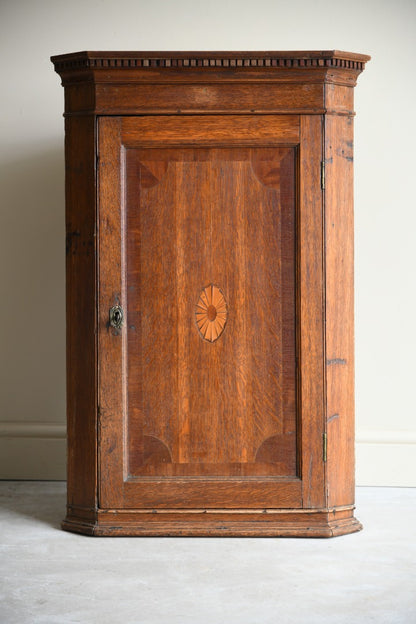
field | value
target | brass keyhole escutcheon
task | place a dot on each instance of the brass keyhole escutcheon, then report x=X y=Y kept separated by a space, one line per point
x=116 y=317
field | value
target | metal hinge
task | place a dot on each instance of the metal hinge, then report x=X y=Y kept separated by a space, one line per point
x=324 y=446
x=322 y=174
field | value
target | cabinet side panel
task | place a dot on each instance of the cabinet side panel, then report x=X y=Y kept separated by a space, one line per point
x=80 y=307
x=339 y=243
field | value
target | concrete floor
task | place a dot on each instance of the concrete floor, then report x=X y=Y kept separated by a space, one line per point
x=49 y=576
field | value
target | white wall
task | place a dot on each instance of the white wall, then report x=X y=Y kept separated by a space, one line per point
x=32 y=360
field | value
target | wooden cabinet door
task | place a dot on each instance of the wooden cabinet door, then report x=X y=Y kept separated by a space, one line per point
x=210 y=393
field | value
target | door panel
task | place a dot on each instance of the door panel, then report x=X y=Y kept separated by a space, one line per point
x=211 y=311
x=199 y=391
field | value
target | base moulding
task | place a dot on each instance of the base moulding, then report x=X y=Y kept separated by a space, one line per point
x=213 y=523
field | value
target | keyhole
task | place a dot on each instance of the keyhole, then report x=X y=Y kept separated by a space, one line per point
x=116 y=317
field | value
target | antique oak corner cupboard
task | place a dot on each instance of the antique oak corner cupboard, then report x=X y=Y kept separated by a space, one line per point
x=209 y=216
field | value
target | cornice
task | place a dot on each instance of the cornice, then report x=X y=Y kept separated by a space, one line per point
x=205 y=60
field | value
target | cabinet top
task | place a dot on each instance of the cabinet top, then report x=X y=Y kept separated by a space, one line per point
x=209 y=82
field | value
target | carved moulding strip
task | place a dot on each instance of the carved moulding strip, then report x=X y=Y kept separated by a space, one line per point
x=105 y=60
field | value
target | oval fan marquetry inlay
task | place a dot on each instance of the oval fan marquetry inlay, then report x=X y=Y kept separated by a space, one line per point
x=211 y=313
